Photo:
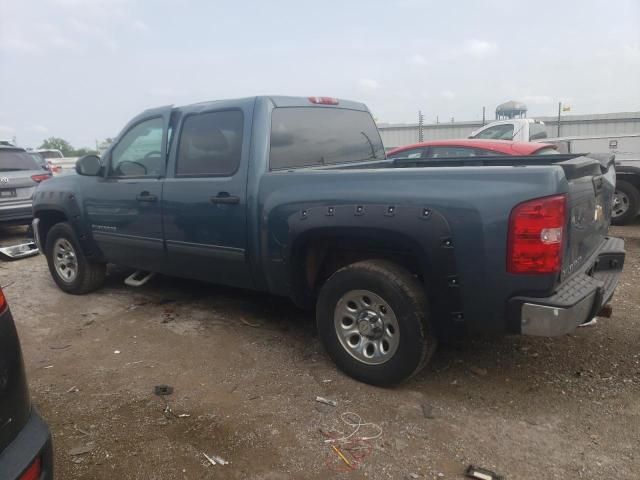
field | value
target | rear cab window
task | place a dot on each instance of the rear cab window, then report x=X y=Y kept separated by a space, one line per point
x=314 y=136
x=16 y=160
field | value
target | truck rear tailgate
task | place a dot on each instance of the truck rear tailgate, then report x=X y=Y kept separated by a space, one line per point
x=591 y=183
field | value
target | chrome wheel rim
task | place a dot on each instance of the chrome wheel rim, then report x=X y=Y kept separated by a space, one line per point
x=366 y=327
x=64 y=260
x=620 y=203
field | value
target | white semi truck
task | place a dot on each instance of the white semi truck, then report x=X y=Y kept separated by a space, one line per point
x=626 y=147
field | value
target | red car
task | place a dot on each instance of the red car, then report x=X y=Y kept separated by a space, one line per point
x=470 y=148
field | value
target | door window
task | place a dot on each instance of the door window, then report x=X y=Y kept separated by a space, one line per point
x=210 y=144
x=139 y=151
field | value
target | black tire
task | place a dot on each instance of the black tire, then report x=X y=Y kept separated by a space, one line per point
x=633 y=196
x=89 y=277
x=405 y=296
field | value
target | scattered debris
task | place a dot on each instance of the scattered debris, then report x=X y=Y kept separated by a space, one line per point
x=427 y=411
x=161 y=390
x=590 y=323
x=85 y=433
x=481 y=372
x=215 y=460
x=184 y=415
x=341 y=455
x=82 y=449
x=16 y=252
x=351 y=449
x=116 y=352
x=326 y=401
x=414 y=475
x=48 y=366
x=250 y=324
x=481 y=473
x=133 y=363
x=59 y=347
x=73 y=389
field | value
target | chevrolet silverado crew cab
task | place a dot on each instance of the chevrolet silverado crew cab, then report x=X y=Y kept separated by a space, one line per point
x=295 y=196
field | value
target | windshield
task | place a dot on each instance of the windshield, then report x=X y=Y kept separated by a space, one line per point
x=308 y=136
x=51 y=154
x=15 y=160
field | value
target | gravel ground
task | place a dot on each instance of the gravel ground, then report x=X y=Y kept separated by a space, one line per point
x=246 y=369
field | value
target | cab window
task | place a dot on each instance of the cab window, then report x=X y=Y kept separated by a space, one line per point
x=139 y=151
x=451 y=152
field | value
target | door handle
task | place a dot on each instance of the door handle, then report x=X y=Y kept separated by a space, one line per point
x=225 y=198
x=146 y=197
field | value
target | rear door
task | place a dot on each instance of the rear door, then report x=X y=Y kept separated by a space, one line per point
x=123 y=206
x=205 y=193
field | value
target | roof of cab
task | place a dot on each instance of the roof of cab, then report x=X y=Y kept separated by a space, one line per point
x=287 y=101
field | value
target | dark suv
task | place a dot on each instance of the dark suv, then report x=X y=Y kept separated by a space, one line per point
x=25 y=442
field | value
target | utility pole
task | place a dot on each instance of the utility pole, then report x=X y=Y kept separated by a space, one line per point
x=559 y=110
x=420 y=126
x=483 y=117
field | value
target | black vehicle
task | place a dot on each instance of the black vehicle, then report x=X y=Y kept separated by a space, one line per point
x=26 y=451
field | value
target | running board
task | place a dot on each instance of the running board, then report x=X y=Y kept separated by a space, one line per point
x=139 y=278
x=22 y=250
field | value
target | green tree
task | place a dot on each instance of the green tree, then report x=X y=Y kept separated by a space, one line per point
x=56 y=143
x=81 y=152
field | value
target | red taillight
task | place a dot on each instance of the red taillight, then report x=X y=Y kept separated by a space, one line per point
x=323 y=100
x=536 y=230
x=40 y=177
x=34 y=471
x=3 y=301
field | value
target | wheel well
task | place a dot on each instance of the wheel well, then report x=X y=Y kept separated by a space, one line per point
x=632 y=178
x=316 y=258
x=48 y=219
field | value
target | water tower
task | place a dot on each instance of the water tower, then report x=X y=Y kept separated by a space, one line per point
x=511 y=109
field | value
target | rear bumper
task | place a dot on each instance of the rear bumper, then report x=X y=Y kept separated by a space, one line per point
x=17 y=212
x=33 y=441
x=577 y=300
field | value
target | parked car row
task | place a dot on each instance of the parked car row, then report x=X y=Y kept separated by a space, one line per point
x=626 y=148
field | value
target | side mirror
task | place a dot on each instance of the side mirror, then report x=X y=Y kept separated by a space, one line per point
x=89 y=165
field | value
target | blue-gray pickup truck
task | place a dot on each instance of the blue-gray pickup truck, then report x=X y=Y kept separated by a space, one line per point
x=295 y=196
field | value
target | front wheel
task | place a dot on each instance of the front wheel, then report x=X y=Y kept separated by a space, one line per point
x=373 y=321
x=68 y=265
x=626 y=203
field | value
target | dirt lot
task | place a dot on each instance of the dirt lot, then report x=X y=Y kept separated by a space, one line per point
x=247 y=369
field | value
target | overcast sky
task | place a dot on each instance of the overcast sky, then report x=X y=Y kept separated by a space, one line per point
x=79 y=69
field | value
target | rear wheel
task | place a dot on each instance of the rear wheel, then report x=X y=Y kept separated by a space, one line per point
x=373 y=321
x=68 y=265
x=626 y=203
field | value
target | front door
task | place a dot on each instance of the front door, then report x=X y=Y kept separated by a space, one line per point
x=124 y=206
x=204 y=199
